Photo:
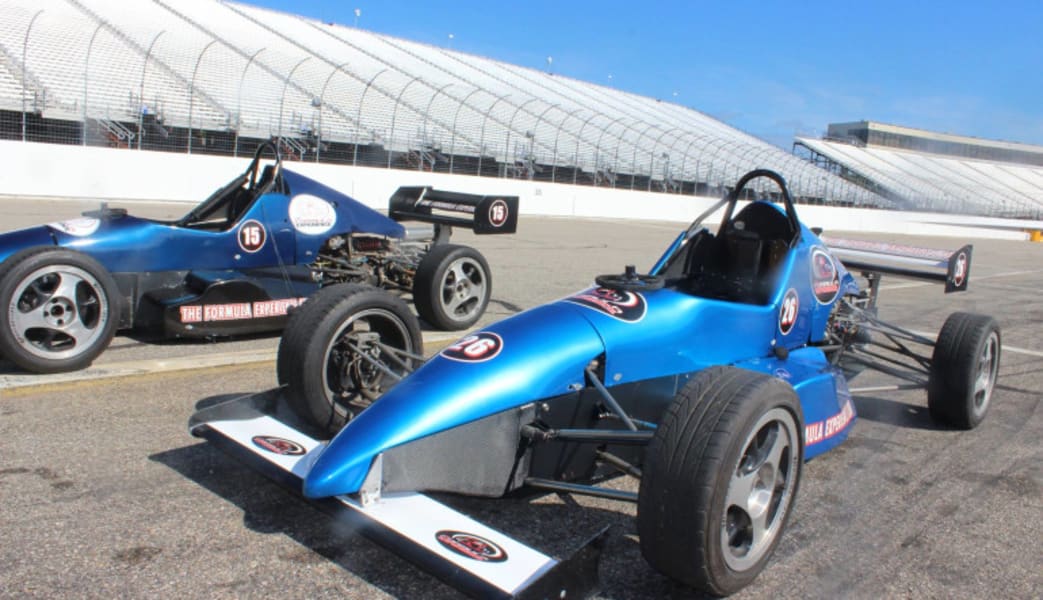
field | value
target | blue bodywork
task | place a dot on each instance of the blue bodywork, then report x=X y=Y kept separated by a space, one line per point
x=235 y=247
x=638 y=336
x=124 y=243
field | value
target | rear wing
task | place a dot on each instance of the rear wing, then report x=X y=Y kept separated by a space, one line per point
x=484 y=214
x=953 y=268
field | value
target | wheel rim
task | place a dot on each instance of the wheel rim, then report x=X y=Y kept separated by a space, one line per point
x=985 y=379
x=760 y=490
x=58 y=312
x=351 y=382
x=463 y=289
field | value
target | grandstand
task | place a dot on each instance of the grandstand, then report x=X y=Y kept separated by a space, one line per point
x=217 y=77
x=929 y=171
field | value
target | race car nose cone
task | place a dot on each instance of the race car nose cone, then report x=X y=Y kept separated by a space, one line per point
x=332 y=478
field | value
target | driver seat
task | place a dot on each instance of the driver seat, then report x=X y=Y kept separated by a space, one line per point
x=744 y=253
x=752 y=247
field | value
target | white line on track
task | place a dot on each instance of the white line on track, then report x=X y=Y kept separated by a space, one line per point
x=433 y=341
x=1017 y=350
x=1006 y=348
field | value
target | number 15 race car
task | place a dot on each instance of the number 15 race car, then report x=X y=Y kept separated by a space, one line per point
x=711 y=380
x=235 y=264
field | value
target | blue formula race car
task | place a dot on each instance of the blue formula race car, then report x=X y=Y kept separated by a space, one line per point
x=711 y=379
x=235 y=264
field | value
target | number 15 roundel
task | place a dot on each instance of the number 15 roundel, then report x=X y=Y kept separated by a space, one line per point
x=251 y=236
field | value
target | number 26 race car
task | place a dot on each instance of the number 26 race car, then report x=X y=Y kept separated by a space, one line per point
x=711 y=380
x=235 y=264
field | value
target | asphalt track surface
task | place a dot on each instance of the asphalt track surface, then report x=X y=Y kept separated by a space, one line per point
x=104 y=494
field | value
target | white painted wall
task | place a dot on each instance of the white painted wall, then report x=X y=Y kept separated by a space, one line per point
x=51 y=170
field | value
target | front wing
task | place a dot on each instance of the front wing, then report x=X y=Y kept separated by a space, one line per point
x=465 y=553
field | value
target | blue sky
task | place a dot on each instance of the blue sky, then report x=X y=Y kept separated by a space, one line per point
x=774 y=69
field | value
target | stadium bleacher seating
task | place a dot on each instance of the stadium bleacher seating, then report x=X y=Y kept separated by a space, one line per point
x=212 y=76
x=925 y=181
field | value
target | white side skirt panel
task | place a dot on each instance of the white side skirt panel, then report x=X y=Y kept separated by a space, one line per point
x=493 y=557
x=500 y=560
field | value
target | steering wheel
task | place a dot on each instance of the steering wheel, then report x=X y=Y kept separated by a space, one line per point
x=630 y=281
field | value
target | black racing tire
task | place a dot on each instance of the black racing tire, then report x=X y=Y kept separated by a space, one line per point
x=327 y=383
x=59 y=309
x=964 y=368
x=720 y=479
x=452 y=286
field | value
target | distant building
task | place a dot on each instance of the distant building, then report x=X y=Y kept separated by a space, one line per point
x=933 y=172
x=870 y=133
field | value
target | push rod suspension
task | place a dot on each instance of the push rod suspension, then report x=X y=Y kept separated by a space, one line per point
x=609 y=400
x=588 y=436
x=621 y=465
x=583 y=490
x=376 y=363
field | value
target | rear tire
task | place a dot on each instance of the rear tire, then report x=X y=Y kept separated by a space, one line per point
x=452 y=287
x=59 y=309
x=964 y=368
x=327 y=382
x=720 y=479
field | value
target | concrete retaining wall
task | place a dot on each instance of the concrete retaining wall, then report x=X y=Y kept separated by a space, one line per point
x=128 y=175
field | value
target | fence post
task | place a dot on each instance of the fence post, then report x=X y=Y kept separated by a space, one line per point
x=427 y=113
x=322 y=104
x=579 y=138
x=394 y=115
x=651 y=166
x=358 y=117
x=286 y=86
x=86 y=78
x=25 y=68
x=141 y=89
x=192 y=91
x=597 y=147
x=481 y=142
x=452 y=143
x=239 y=102
x=554 y=159
x=510 y=127
x=633 y=166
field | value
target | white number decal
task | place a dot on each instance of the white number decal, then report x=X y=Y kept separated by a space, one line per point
x=788 y=312
x=475 y=348
x=251 y=236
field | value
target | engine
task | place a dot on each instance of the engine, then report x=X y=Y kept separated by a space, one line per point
x=372 y=259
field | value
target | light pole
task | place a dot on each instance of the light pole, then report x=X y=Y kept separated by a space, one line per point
x=451 y=36
x=358 y=13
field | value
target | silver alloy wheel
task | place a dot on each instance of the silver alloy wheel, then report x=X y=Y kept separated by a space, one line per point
x=986 y=376
x=58 y=312
x=350 y=378
x=463 y=289
x=760 y=489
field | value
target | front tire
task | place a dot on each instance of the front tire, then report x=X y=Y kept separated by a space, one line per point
x=720 y=479
x=320 y=361
x=59 y=309
x=964 y=367
x=452 y=287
